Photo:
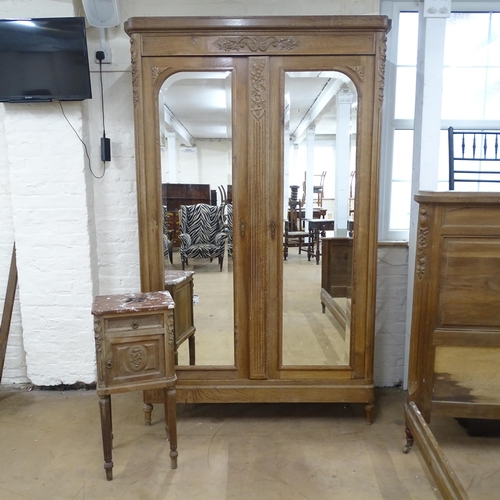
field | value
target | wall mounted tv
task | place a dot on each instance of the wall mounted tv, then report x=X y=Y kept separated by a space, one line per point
x=44 y=59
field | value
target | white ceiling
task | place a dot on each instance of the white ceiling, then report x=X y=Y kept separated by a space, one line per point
x=197 y=105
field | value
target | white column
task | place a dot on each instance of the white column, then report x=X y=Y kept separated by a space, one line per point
x=342 y=162
x=286 y=176
x=172 y=157
x=311 y=132
x=426 y=131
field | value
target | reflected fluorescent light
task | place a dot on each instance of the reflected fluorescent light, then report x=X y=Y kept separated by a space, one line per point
x=31 y=24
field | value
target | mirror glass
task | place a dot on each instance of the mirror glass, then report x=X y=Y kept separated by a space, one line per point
x=196 y=168
x=319 y=191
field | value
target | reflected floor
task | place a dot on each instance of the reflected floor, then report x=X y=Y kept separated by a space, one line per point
x=311 y=337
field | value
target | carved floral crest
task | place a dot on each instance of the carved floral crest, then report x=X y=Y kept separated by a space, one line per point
x=258 y=89
x=255 y=43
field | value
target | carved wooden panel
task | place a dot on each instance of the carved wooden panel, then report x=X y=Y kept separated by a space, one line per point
x=455 y=337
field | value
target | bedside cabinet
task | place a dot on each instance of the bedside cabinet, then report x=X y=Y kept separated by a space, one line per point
x=180 y=285
x=134 y=341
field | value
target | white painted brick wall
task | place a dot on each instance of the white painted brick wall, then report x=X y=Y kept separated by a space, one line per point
x=14 y=370
x=50 y=218
x=392 y=280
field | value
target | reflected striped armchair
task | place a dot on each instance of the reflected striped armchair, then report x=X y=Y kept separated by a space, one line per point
x=202 y=233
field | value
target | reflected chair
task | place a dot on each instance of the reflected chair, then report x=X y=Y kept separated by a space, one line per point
x=318 y=188
x=202 y=233
x=295 y=233
x=228 y=224
x=167 y=236
x=222 y=194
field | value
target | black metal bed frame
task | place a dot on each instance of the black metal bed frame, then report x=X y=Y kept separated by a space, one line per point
x=476 y=145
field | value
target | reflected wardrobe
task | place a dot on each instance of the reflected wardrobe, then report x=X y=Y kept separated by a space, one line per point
x=232 y=104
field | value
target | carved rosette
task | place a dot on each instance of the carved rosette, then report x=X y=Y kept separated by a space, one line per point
x=255 y=43
x=137 y=358
x=423 y=231
x=259 y=91
x=135 y=72
x=359 y=70
x=98 y=335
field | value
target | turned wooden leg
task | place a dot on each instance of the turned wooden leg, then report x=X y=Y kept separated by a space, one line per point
x=369 y=413
x=192 y=351
x=409 y=440
x=148 y=408
x=170 y=399
x=105 y=411
x=322 y=308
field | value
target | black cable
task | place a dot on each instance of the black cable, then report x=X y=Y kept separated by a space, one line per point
x=102 y=98
x=84 y=145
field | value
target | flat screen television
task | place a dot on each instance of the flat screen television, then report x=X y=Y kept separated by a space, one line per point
x=44 y=59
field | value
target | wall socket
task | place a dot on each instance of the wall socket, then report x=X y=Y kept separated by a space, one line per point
x=107 y=56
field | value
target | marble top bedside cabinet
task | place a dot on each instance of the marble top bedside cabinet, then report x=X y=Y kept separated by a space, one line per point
x=135 y=350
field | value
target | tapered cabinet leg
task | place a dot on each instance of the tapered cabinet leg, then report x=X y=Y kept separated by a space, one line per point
x=171 y=423
x=409 y=440
x=148 y=408
x=192 y=350
x=369 y=413
x=105 y=411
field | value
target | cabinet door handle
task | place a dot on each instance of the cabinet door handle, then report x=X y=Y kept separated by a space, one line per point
x=109 y=364
x=273 y=230
x=135 y=325
x=242 y=227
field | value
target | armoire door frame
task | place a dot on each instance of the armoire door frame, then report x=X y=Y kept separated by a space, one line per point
x=257 y=226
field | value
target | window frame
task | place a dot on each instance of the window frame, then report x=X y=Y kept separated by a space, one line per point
x=393 y=8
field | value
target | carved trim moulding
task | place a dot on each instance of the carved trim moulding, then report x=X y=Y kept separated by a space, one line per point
x=259 y=91
x=255 y=43
x=423 y=231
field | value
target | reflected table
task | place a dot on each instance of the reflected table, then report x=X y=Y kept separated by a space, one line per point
x=317 y=229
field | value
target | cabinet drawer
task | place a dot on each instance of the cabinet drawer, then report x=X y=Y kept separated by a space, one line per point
x=134 y=323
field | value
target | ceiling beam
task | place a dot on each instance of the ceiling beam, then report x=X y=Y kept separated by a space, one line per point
x=173 y=124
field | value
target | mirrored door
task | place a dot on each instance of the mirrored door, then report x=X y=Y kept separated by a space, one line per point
x=319 y=170
x=195 y=125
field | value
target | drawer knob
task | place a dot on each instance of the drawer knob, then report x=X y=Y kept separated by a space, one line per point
x=109 y=364
x=135 y=325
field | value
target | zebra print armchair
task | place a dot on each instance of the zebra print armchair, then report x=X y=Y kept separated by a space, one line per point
x=202 y=233
x=167 y=234
x=229 y=229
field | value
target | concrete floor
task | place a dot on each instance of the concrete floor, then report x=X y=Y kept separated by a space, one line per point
x=50 y=445
x=50 y=448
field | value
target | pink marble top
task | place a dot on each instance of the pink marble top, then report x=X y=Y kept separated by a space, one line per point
x=132 y=302
x=173 y=277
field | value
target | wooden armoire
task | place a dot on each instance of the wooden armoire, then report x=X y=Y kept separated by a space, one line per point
x=259 y=51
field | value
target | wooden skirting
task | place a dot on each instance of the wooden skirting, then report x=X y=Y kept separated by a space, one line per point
x=446 y=480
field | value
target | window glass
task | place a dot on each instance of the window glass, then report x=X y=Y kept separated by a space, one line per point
x=463 y=93
x=467 y=39
x=405 y=92
x=401 y=180
x=407 y=39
